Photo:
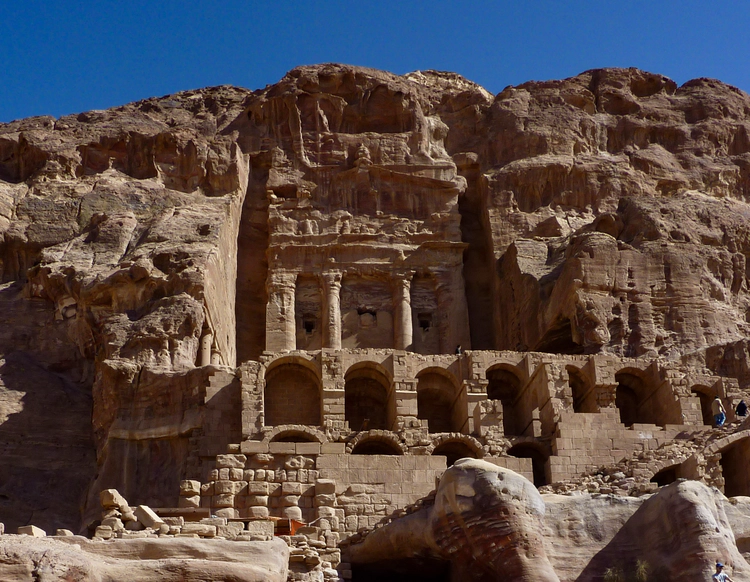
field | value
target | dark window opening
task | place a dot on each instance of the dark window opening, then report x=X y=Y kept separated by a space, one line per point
x=308 y=322
x=665 y=476
x=538 y=461
x=453 y=451
x=374 y=447
x=425 y=321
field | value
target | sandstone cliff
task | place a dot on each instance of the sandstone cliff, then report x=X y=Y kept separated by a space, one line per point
x=142 y=250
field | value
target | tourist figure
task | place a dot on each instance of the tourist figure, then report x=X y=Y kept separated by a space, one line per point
x=459 y=351
x=741 y=409
x=720 y=576
x=720 y=415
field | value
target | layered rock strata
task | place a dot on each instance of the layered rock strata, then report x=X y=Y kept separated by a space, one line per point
x=259 y=291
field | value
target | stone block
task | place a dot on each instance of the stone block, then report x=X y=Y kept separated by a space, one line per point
x=257 y=488
x=188 y=488
x=147 y=517
x=34 y=531
x=256 y=512
x=200 y=529
x=282 y=448
x=237 y=474
x=224 y=500
x=61 y=532
x=231 y=487
x=228 y=512
x=112 y=498
x=253 y=447
x=186 y=502
x=114 y=522
x=290 y=488
x=230 y=461
x=104 y=532
x=289 y=500
x=231 y=530
x=176 y=520
x=332 y=448
x=307 y=448
x=252 y=500
x=260 y=526
x=217 y=521
x=325 y=499
x=325 y=486
x=208 y=488
x=292 y=513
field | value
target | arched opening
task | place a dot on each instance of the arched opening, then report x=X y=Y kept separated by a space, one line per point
x=627 y=403
x=292 y=396
x=630 y=389
x=435 y=399
x=735 y=468
x=366 y=399
x=376 y=447
x=665 y=476
x=453 y=451
x=505 y=386
x=704 y=394
x=584 y=399
x=538 y=461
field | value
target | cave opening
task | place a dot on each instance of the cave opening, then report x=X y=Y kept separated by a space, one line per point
x=404 y=570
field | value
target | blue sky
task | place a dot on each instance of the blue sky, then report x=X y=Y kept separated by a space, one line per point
x=61 y=57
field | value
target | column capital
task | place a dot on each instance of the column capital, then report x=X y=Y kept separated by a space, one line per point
x=332 y=278
x=279 y=280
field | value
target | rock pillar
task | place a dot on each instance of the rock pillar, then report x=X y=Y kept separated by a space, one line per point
x=332 y=293
x=280 y=323
x=402 y=324
x=206 y=341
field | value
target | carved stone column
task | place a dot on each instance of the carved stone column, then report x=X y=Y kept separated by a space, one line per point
x=402 y=324
x=206 y=343
x=280 y=322
x=332 y=330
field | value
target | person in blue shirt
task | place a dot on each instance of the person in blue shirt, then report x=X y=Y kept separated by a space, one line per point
x=720 y=576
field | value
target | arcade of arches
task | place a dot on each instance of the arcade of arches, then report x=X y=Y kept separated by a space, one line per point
x=529 y=407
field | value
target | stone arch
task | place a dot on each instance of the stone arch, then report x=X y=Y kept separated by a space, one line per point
x=505 y=385
x=706 y=395
x=285 y=432
x=637 y=399
x=584 y=396
x=456 y=446
x=303 y=360
x=366 y=397
x=375 y=442
x=669 y=473
x=291 y=394
x=539 y=460
x=436 y=400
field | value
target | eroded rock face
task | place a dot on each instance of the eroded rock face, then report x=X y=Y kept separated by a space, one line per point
x=487 y=522
x=76 y=559
x=491 y=524
x=605 y=212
